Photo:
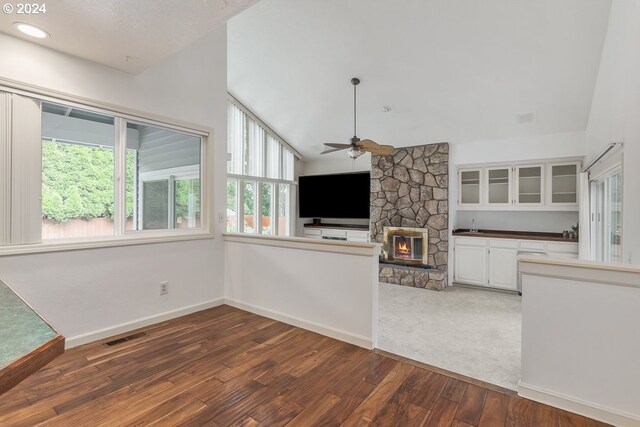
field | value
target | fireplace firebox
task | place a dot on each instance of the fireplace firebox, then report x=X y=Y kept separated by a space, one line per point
x=406 y=245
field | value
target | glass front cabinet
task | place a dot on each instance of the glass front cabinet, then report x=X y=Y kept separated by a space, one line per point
x=562 y=188
x=470 y=188
x=550 y=185
x=529 y=185
x=498 y=183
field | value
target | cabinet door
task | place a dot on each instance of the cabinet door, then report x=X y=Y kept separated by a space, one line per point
x=498 y=186
x=469 y=188
x=471 y=265
x=563 y=184
x=503 y=268
x=530 y=185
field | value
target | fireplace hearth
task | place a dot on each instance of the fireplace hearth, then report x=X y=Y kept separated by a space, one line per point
x=406 y=245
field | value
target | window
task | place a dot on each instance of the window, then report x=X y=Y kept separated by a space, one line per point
x=69 y=158
x=167 y=173
x=260 y=176
x=606 y=217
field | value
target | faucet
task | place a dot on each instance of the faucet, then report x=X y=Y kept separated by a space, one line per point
x=473 y=228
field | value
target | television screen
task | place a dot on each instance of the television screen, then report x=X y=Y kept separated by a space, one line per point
x=343 y=195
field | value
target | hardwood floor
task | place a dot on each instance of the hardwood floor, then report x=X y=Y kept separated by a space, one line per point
x=227 y=367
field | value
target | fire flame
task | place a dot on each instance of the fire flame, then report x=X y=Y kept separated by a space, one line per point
x=403 y=247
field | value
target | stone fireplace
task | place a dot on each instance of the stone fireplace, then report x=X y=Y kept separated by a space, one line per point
x=410 y=192
x=406 y=245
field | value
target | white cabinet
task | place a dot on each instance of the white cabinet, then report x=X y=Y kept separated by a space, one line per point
x=550 y=186
x=470 y=187
x=503 y=264
x=529 y=185
x=498 y=182
x=562 y=184
x=471 y=261
x=344 y=234
x=494 y=262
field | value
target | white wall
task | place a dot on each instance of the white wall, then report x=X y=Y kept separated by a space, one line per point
x=580 y=338
x=615 y=111
x=81 y=292
x=327 y=287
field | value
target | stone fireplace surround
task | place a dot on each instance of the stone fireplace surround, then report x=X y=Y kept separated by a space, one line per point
x=410 y=188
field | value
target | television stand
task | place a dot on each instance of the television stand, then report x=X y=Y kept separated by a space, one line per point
x=347 y=232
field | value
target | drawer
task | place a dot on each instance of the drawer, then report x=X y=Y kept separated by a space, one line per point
x=503 y=243
x=358 y=239
x=531 y=245
x=312 y=232
x=358 y=234
x=567 y=248
x=471 y=241
x=334 y=233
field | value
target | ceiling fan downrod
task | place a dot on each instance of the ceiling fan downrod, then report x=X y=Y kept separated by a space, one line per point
x=355 y=82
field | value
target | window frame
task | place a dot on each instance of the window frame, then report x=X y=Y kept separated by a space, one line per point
x=123 y=115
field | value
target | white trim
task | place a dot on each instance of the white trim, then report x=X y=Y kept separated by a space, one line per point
x=54 y=96
x=339 y=334
x=302 y=243
x=259 y=178
x=139 y=323
x=578 y=406
x=605 y=273
x=143 y=237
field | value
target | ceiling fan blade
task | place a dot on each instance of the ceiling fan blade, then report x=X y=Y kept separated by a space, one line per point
x=336 y=145
x=375 y=148
x=331 y=150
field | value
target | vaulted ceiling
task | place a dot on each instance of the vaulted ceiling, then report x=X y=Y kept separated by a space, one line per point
x=129 y=35
x=451 y=70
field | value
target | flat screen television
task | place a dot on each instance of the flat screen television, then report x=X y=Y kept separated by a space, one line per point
x=341 y=195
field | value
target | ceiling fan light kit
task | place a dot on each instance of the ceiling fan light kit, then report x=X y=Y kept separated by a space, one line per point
x=358 y=146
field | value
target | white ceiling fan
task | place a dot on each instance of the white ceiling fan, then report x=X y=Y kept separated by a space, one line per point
x=358 y=146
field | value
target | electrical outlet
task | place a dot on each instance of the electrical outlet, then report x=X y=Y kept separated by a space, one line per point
x=164 y=288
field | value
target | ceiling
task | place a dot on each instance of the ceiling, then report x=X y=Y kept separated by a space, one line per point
x=455 y=71
x=129 y=35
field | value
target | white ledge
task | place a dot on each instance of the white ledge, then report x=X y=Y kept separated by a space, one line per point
x=588 y=271
x=302 y=243
x=103 y=242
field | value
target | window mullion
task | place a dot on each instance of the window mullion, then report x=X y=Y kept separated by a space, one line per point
x=120 y=179
x=275 y=207
x=240 y=205
x=257 y=210
x=171 y=200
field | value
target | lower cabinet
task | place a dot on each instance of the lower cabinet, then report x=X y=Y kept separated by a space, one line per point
x=503 y=268
x=471 y=264
x=494 y=262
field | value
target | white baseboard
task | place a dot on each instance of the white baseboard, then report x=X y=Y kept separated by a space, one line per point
x=359 y=340
x=139 y=323
x=573 y=404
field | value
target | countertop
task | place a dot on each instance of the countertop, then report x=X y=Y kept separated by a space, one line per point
x=513 y=234
x=27 y=342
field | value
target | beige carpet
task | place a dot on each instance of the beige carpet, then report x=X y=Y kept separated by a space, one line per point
x=471 y=332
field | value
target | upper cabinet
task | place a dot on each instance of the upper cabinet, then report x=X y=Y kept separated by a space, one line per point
x=562 y=189
x=529 y=185
x=469 y=188
x=498 y=184
x=546 y=185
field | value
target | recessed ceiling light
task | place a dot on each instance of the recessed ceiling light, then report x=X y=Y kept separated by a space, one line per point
x=385 y=108
x=31 y=30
